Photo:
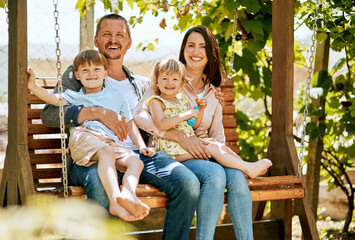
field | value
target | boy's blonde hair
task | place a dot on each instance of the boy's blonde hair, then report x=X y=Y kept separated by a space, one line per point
x=168 y=66
x=89 y=56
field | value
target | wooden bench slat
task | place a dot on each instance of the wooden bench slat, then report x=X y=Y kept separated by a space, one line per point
x=47 y=173
x=34 y=113
x=156 y=199
x=40 y=129
x=278 y=194
x=43 y=144
x=46 y=158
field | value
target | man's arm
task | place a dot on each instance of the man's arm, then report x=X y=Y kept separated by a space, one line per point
x=78 y=114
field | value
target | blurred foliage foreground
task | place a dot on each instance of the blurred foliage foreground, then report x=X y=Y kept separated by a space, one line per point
x=46 y=217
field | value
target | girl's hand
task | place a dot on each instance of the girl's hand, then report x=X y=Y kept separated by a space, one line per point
x=202 y=103
x=192 y=113
x=147 y=151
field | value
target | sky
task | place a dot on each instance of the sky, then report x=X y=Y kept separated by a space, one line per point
x=41 y=28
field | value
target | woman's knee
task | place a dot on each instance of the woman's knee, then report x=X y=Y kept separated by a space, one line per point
x=236 y=180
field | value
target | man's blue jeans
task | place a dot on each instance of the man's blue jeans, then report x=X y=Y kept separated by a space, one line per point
x=214 y=179
x=180 y=185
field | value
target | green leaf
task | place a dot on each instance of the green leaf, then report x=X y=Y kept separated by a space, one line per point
x=251 y=6
x=322 y=36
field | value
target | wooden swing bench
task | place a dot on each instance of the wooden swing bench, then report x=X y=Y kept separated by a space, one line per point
x=45 y=156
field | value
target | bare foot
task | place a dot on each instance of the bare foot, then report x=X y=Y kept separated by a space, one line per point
x=122 y=213
x=258 y=168
x=132 y=203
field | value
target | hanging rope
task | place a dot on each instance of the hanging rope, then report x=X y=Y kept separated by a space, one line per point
x=308 y=89
x=60 y=91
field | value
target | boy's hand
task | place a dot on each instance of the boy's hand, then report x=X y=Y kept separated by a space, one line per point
x=147 y=151
x=220 y=96
x=31 y=77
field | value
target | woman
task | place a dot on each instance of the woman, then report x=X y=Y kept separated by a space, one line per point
x=199 y=52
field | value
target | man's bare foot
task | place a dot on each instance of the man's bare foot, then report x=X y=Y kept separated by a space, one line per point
x=122 y=213
x=258 y=168
x=132 y=203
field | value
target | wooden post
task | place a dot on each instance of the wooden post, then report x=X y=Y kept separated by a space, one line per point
x=282 y=150
x=17 y=181
x=87 y=28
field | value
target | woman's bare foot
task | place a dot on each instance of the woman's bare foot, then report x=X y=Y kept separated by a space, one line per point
x=122 y=213
x=132 y=203
x=258 y=168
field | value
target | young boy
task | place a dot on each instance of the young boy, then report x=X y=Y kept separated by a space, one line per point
x=93 y=142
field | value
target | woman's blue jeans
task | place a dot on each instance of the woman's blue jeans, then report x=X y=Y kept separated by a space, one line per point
x=214 y=180
x=179 y=184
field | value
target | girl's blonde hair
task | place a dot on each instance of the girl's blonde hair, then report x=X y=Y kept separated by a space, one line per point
x=168 y=66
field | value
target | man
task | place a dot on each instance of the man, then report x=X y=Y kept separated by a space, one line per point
x=181 y=186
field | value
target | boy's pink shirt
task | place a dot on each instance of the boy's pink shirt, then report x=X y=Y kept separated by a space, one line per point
x=211 y=124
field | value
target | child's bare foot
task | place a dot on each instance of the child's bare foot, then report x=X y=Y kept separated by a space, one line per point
x=258 y=168
x=122 y=213
x=132 y=203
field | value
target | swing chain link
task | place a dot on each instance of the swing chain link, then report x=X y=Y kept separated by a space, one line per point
x=231 y=60
x=6 y=7
x=308 y=88
x=60 y=91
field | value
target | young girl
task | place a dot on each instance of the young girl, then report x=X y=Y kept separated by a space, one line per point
x=94 y=142
x=170 y=109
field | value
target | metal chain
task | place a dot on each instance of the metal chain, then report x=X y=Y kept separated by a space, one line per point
x=231 y=60
x=60 y=91
x=308 y=89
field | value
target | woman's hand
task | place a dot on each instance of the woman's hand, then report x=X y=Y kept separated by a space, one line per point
x=147 y=151
x=202 y=103
x=219 y=95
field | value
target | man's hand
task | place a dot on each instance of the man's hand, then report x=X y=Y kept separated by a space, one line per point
x=192 y=144
x=147 y=151
x=109 y=118
x=195 y=146
x=220 y=96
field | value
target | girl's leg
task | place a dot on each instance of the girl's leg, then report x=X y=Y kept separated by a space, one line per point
x=228 y=158
x=108 y=176
x=213 y=181
x=128 y=198
x=239 y=204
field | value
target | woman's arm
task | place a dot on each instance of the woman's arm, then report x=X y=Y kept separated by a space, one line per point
x=166 y=123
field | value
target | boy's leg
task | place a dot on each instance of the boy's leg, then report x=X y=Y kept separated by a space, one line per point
x=127 y=198
x=181 y=187
x=108 y=176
